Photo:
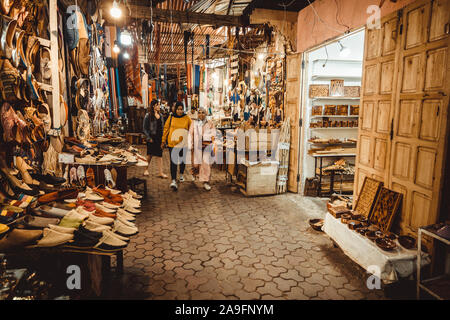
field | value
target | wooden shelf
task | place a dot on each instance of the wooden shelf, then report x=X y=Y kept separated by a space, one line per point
x=335 y=98
x=321 y=155
x=323 y=116
x=333 y=128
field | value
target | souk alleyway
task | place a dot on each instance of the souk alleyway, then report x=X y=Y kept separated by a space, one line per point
x=195 y=244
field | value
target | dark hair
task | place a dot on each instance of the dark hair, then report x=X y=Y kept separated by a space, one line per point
x=152 y=108
x=178 y=104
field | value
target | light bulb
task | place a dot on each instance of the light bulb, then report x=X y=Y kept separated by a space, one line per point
x=126 y=55
x=261 y=56
x=116 y=12
x=125 y=38
x=116 y=48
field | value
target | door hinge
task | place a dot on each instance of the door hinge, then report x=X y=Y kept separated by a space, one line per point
x=300 y=122
x=392 y=129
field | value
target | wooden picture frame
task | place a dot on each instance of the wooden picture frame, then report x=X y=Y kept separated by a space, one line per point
x=386 y=207
x=367 y=197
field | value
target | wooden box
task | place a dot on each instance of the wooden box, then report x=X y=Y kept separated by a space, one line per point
x=354 y=110
x=330 y=110
x=317 y=110
x=259 y=179
x=342 y=110
x=319 y=90
x=352 y=91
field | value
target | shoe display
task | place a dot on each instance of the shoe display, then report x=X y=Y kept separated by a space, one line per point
x=62 y=229
x=104 y=208
x=108 y=242
x=123 y=229
x=100 y=220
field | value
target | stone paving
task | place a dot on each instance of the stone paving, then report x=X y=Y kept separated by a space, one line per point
x=195 y=244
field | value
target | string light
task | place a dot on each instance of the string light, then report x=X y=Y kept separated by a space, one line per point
x=116 y=48
x=126 y=55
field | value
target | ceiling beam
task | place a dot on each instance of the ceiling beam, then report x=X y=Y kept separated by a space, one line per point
x=162 y=15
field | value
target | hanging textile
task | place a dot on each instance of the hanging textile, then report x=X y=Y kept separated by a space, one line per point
x=202 y=79
x=189 y=79
x=119 y=95
x=133 y=72
x=196 y=79
x=207 y=46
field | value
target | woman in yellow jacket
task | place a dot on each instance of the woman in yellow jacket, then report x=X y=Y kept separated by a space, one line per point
x=175 y=135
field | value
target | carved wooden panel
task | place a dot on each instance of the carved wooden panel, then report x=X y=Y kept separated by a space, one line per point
x=420 y=210
x=367 y=196
x=385 y=209
x=373 y=49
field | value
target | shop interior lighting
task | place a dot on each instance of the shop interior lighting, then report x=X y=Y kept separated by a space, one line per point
x=261 y=56
x=344 y=51
x=116 y=48
x=125 y=38
x=116 y=12
x=126 y=55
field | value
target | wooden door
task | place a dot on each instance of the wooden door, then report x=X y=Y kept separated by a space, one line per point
x=377 y=100
x=421 y=113
x=293 y=72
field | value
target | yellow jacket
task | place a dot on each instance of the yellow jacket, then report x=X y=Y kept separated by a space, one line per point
x=176 y=135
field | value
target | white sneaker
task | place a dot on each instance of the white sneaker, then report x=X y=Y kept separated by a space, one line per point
x=207 y=186
x=174 y=185
x=181 y=178
x=123 y=229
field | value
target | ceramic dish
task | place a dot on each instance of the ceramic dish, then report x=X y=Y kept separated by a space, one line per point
x=407 y=242
x=385 y=244
x=353 y=224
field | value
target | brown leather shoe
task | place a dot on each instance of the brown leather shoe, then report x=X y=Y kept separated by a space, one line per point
x=101 y=213
x=90 y=177
x=19 y=238
x=71 y=193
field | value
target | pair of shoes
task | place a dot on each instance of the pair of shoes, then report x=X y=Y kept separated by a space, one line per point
x=53 y=238
x=17 y=238
x=101 y=228
x=71 y=193
x=134 y=194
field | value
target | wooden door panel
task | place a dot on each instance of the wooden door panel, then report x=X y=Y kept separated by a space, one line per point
x=387 y=77
x=416 y=27
x=293 y=72
x=431 y=119
x=412 y=73
x=407 y=118
x=439 y=20
x=401 y=160
x=435 y=75
x=425 y=166
x=383 y=117
x=372 y=76
x=367 y=115
x=373 y=49
x=379 y=84
x=390 y=36
x=420 y=116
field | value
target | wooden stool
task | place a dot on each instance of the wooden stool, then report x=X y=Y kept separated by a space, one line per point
x=135 y=182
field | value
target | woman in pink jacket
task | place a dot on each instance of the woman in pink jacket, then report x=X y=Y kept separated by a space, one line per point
x=202 y=134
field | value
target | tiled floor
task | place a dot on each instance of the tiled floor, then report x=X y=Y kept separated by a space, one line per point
x=195 y=244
